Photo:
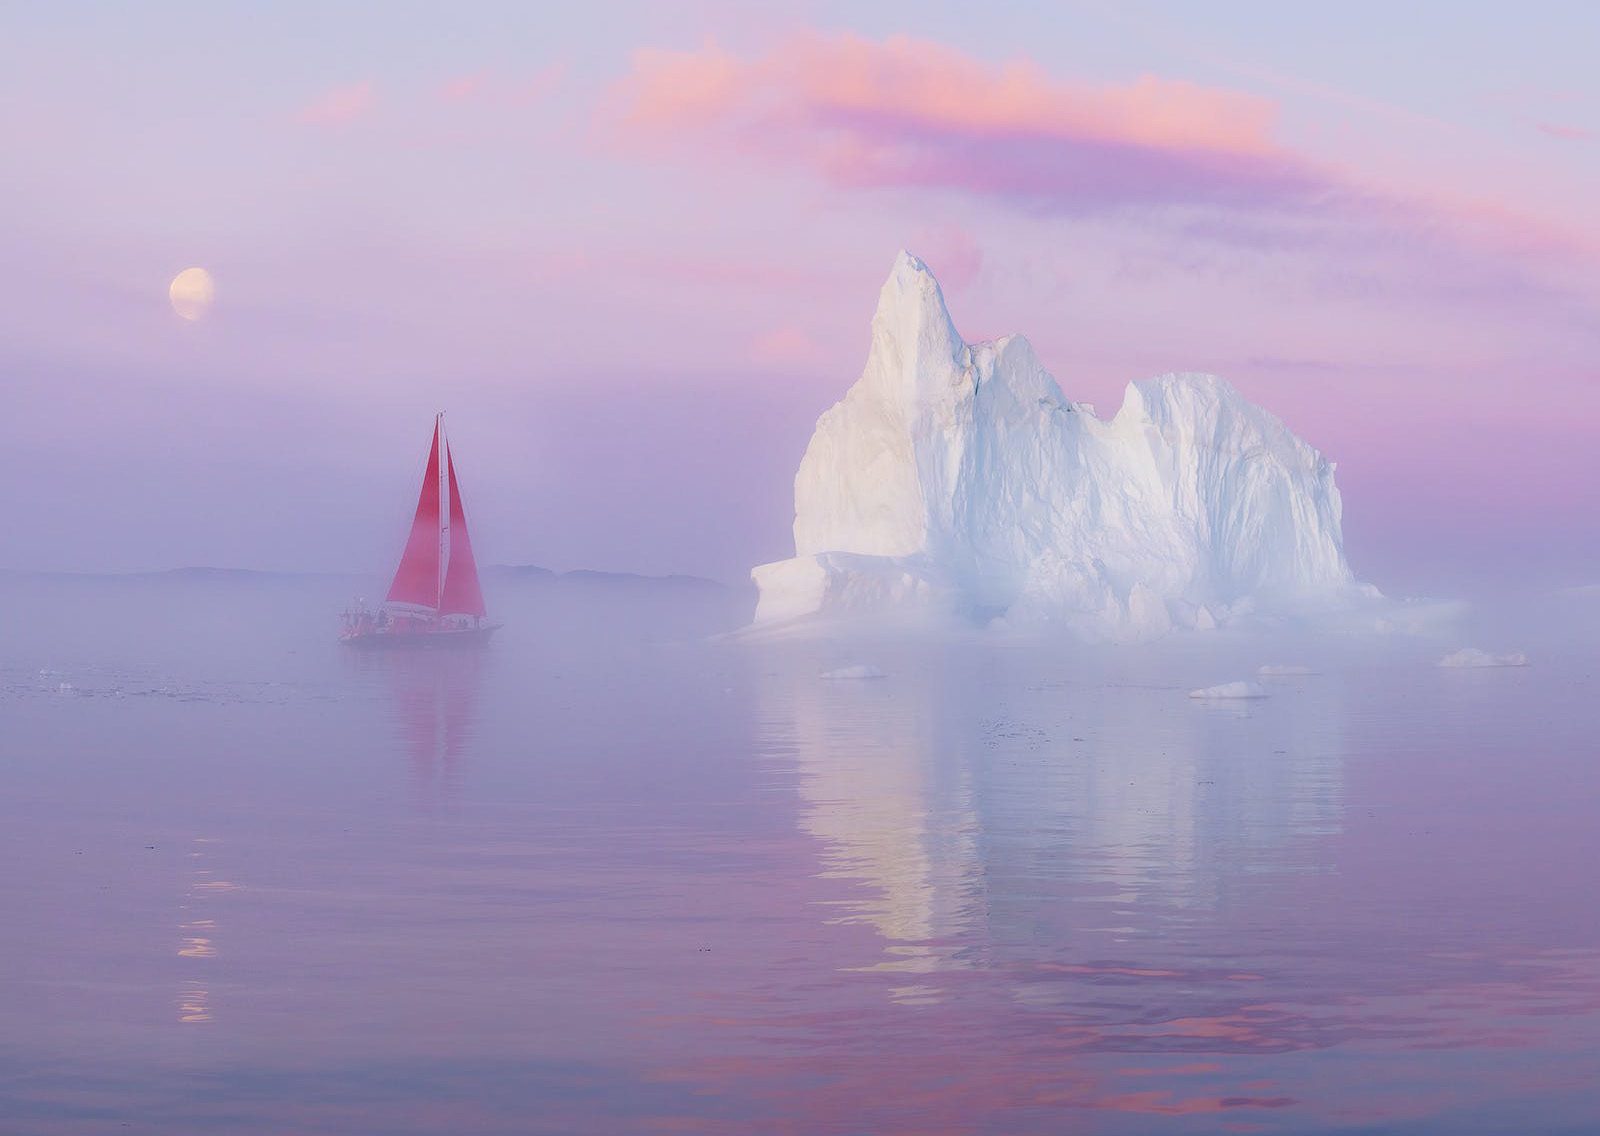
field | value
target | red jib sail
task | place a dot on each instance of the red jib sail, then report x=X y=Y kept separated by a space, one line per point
x=462 y=593
x=416 y=581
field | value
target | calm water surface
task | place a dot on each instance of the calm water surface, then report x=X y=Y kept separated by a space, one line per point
x=610 y=877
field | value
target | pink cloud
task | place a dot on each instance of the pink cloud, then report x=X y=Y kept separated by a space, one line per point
x=482 y=86
x=1199 y=163
x=462 y=88
x=919 y=83
x=906 y=112
x=1566 y=133
x=786 y=345
x=340 y=105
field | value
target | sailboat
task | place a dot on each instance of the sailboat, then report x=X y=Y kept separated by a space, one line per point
x=436 y=598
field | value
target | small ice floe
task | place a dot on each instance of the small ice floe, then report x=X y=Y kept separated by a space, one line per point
x=1239 y=689
x=857 y=671
x=1472 y=657
x=1289 y=671
x=66 y=688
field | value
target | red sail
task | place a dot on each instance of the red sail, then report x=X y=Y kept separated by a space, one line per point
x=416 y=581
x=462 y=593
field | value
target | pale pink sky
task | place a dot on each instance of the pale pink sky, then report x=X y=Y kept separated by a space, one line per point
x=634 y=252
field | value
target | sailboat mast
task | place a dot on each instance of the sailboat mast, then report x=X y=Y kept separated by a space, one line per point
x=444 y=508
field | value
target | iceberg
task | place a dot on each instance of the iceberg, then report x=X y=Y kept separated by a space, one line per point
x=956 y=478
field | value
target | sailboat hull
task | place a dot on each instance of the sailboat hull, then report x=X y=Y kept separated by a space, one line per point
x=420 y=638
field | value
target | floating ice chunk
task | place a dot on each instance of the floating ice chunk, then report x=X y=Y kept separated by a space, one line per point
x=857 y=671
x=1286 y=671
x=1473 y=657
x=860 y=671
x=1239 y=689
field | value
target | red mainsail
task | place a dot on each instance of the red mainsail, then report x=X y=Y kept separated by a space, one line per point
x=416 y=581
x=462 y=593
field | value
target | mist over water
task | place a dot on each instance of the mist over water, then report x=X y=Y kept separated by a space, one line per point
x=617 y=874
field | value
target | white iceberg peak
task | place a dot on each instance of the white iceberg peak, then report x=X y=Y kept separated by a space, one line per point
x=913 y=337
x=958 y=476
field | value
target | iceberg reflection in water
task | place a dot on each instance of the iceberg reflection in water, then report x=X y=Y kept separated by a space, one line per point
x=615 y=877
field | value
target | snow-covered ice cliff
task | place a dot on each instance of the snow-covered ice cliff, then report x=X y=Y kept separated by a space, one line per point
x=957 y=477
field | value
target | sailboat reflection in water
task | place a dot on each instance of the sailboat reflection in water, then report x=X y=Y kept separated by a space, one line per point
x=436 y=599
x=434 y=699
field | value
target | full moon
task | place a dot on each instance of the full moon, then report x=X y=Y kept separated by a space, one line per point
x=191 y=293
